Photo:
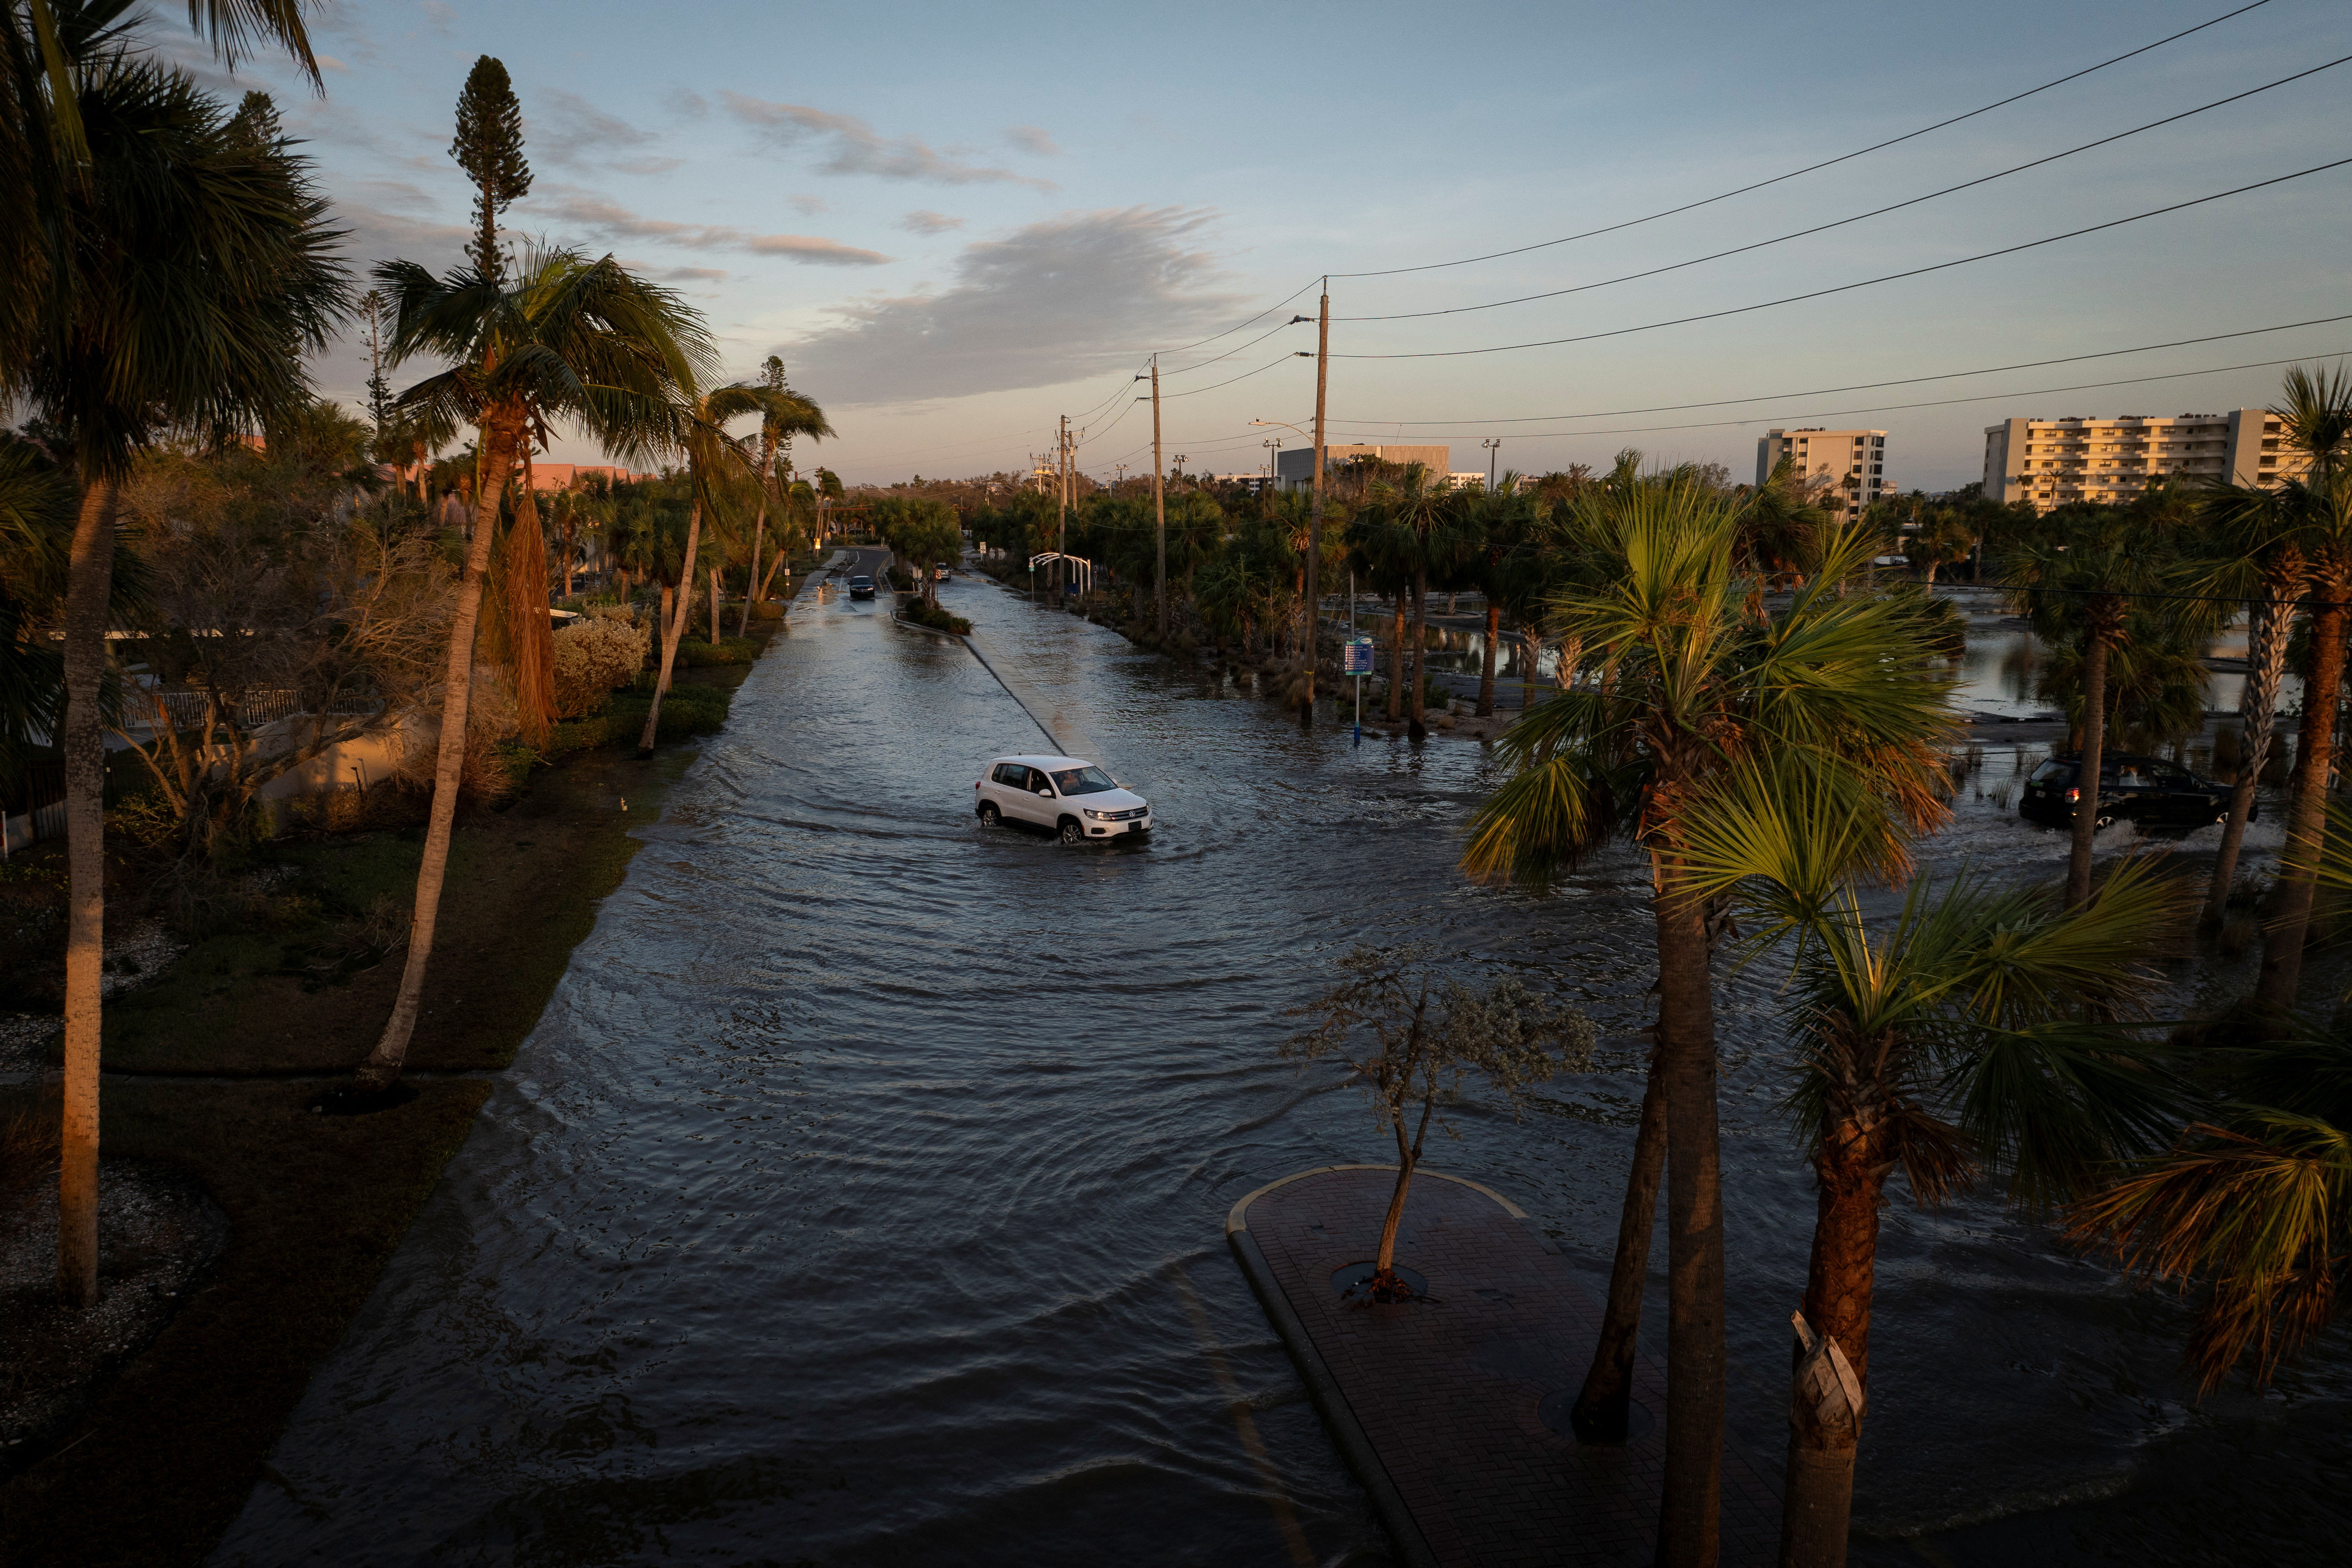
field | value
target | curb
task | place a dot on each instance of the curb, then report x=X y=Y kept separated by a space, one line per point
x=1322 y=1388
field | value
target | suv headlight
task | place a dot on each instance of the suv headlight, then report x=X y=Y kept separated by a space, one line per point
x=1100 y=816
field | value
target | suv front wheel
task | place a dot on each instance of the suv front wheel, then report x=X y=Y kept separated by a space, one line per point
x=989 y=815
x=1071 y=832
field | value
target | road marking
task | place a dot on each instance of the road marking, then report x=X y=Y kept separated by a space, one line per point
x=1285 y=1516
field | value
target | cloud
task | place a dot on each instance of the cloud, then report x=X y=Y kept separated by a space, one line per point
x=676 y=274
x=375 y=235
x=330 y=63
x=920 y=222
x=686 y=104
x=568 y=131
x=1078 y=295
x=609 y=220
x=1031 y=139
x=855 y=147
x=812 y=204
x=441 y=16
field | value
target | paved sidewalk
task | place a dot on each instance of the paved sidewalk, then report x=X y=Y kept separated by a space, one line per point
x=1442 y=1400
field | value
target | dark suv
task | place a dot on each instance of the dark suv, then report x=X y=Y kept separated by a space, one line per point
x=2131 y=789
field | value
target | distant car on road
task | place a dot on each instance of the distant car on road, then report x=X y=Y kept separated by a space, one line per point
x=2131 y=789
x=1068 y=797
x=943 y=572
x=861 y=587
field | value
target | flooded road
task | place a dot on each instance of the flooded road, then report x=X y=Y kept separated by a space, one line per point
x=850 y=1202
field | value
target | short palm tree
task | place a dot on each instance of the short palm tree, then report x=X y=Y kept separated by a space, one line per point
x=1691 y=680
x=1986 y=1025
x=1424 y=537
x=2076 y=580
x=183 y=268
x=1505 y=523
x=564 y=339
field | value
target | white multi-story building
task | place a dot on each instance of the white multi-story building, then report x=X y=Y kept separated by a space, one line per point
x=2050 y=462
x=1853 y=461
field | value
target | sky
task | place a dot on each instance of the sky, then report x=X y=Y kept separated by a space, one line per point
x=957 y=223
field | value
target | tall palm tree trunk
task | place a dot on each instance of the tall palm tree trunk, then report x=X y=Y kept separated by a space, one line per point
x=1531 y=645
x=1416 y=729
x=1850 y=1171
x=1396 y=661
x=1689 y=1501
x=752 y=584
x=2307 y=822
x=675 y=631
x=1605 y=1403
x=383 y=1064
x=663 y=614
x=714 y=607
x=2274 y=625
x=2095 y=725
x=1487 y=663
x=88 y=584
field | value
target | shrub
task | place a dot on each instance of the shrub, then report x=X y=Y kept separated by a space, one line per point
x=767 y=610
x=933 y=616
x=594 y=658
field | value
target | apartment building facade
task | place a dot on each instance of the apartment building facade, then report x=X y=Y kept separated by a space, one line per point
x=2049 y=462
x=1853 y=461
x=1294 y=467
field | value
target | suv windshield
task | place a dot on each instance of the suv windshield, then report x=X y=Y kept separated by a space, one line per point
x=861 y=582
x=1084 y=780
x=2053 y=771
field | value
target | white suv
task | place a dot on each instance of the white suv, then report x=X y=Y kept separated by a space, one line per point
x=1066 y=795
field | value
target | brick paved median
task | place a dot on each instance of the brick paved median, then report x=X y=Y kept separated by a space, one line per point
x=1445 y=1396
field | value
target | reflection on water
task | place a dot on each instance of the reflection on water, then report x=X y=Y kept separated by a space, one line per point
x=831 y=1213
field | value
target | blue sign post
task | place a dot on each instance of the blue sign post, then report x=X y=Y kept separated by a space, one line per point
x=1356 y=659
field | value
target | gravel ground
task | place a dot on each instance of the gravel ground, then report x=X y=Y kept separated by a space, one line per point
x=157 y=1233
x=134 y=954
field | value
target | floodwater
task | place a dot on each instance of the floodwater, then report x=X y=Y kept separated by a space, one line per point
x=1997 y=671
x=859 y=1199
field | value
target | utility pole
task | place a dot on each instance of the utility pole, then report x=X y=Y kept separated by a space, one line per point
x=1315 y=508
x=1159 y=506
x=1062 y=499
x=1493 y=448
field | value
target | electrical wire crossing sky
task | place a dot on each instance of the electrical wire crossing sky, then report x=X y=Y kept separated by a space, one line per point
x=1591 y=220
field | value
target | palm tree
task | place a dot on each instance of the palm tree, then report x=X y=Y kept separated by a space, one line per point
x=1984 y=1026
x=1504 y=523
x=183 y=268
x=2254 y=1201
x=2251 y=553
x=715 y=462
x=567 y=339
x=2315 y=508
x=778 y=426
x=2076 y=580
x=1691 y=679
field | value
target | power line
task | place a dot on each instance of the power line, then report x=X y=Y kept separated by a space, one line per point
x=1809 y=168
x=1261 y=370
x=1936 y=403
x=1867 y=282
x=1278 y=304
x=1858 y=218
x=1238 y=349
x=1865 y=385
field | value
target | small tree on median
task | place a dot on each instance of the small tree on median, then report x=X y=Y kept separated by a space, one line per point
x=1413 y=1036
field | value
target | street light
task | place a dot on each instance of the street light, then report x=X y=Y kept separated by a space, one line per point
x=1492 y=446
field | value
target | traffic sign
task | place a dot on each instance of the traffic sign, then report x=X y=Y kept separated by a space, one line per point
x=1356 y=655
